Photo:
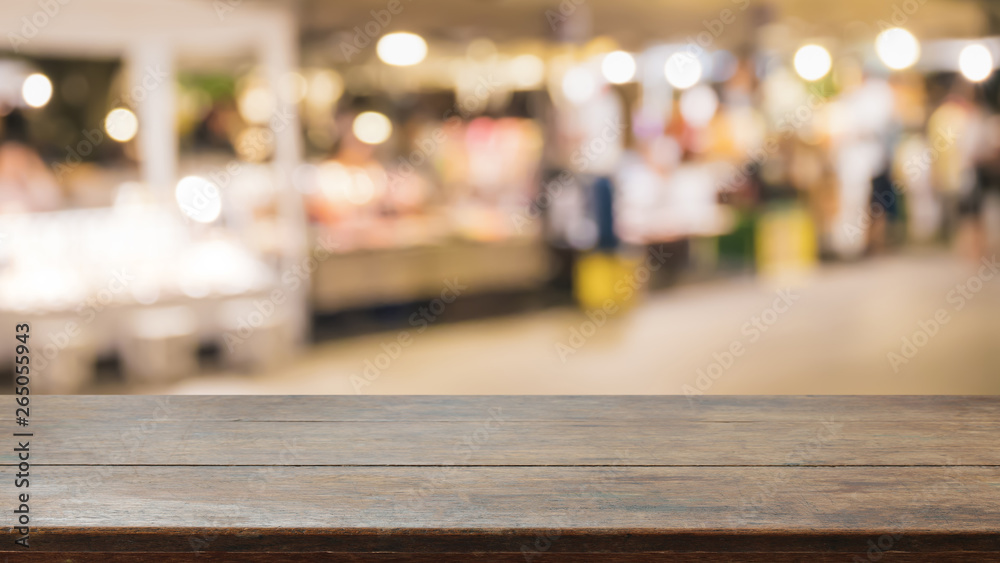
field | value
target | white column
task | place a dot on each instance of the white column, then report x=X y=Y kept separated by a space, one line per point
x=279 y=55
x=151 y=95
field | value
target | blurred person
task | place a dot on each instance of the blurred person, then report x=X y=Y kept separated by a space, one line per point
x=741 y=132
x=885 y=207
x=888 y=195
x=861 y=154
x=811 y=174
x=922 y=208
x=594 y=136
x=953 y=136
x=986 y=184
x=26 y=184
x=775 y=174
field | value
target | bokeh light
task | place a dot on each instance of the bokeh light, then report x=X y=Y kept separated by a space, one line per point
x=698 y=105
x=256 y=104
x=36 y=90
x=401 y=49
x=618 y=67
x=527 y=71
x=683 y=70
x=121 y=125
x=897 y=48
x=812 y=62
x=198 y=199
x=975 y=62
x=325 y=88
x=372 y=127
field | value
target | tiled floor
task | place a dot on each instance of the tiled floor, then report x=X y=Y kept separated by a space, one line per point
x=835 y=337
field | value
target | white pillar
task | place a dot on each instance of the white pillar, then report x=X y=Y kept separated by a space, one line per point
x=151 y=94
x=279 y=56
x=278 y=53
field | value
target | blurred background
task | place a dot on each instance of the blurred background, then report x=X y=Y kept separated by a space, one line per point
x=503 y=197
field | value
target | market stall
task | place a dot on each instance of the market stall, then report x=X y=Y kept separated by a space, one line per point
x=179 y=257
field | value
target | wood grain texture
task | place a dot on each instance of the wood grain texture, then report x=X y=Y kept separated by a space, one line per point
x=496 y=441
x=514 y=478
x=531 y=408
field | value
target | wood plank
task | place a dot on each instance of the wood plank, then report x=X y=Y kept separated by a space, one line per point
x=661 y=501
x=496 y=441
x=720 y=408
x=493 y=478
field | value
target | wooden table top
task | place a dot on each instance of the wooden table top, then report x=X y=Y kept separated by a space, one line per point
x=511 y=478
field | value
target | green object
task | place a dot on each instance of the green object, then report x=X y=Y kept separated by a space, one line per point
x=737 y=247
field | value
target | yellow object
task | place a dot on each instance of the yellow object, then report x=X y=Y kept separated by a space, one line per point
x=786 y=243
x=599 y=277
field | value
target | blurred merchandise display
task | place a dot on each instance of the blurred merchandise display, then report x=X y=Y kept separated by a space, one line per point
x=163 y=199
x=174 y=188
x=446 y=212
x=88 y=277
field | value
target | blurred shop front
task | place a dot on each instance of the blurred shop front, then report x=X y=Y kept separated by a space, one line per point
x=190 y=185
x=148 y=244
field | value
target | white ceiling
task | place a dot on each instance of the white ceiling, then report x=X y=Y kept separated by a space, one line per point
x=635 y=23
